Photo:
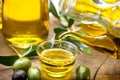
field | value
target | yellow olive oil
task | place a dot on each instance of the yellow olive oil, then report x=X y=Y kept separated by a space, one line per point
x=108 y=9
x=85 y=7
x=25 y=22
x=111 y=13
x=57 y=62
x=93 y=29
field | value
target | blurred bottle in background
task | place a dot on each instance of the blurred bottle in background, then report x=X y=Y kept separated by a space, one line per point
x=109 y=9
x=98 y=22
x=87 y=12
x=25 y=22
x=78 y=9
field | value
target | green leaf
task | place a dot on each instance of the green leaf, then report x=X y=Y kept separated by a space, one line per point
x=82 y=72
x=64 y=20
x=84 y=48
x=59 y=30
x=53 y=10
x=70 y=22
x=8 y=60
x=30 y=51
x=64 y=16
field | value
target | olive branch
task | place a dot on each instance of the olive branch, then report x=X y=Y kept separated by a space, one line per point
x=67 y=23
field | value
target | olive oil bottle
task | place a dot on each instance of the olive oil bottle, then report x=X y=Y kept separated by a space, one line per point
x=25 y=22
x=97 y=24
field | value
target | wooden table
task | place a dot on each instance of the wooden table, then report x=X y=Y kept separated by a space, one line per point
x=109 y=71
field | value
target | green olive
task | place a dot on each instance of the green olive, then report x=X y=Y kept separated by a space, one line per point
x=34 y=73
x=22 y=64
x=19 y=75
x=82 y=73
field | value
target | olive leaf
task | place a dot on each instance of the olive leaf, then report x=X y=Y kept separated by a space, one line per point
x=8 y=60
x=53 y=10
x=59 y=31
x=30 y=51
x=63 y=20
x=84 y=48
x=70 y=22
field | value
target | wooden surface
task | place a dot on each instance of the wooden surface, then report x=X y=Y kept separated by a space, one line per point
x=109 y=71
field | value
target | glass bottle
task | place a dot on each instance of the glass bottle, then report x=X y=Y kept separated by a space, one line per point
x=78 y=8
x=96 y=23
x=25 y=22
